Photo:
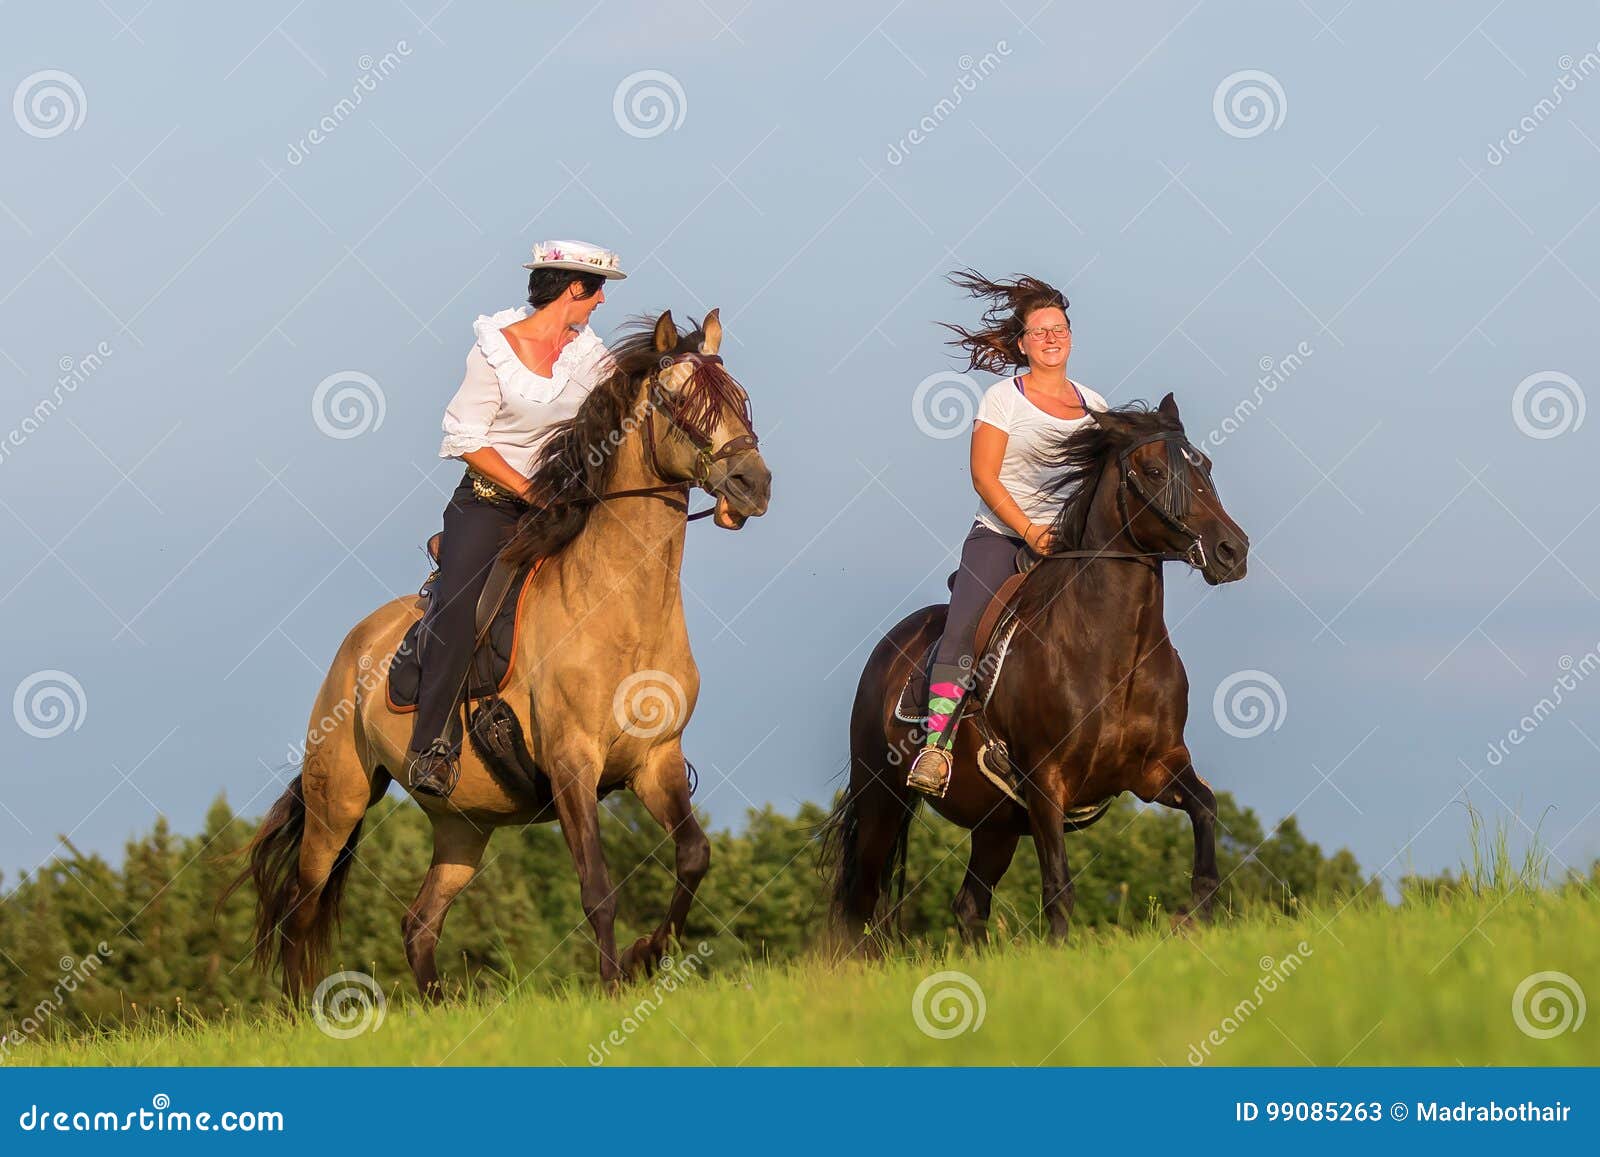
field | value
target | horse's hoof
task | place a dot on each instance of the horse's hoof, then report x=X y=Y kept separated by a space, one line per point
x=640 y=960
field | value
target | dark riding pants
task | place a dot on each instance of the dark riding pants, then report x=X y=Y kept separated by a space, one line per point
x=475 y=529
x=987 y=560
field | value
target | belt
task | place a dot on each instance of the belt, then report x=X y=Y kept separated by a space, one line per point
x=489 y=490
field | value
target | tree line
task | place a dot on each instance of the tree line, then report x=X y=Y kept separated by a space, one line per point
x=84 y=941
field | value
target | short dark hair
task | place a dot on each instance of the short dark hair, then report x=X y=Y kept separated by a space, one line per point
x=545 y=285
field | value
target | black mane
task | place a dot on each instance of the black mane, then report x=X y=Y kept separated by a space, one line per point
x=1082 y=454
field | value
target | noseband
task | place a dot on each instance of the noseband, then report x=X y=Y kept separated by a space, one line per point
x=1171 y=501
x=694 y=410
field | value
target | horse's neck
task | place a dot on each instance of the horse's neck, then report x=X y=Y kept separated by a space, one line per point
x=1116 y=590
x=631 y=549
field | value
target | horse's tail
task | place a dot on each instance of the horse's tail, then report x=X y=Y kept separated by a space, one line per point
x=294 y=922
x=854 y=886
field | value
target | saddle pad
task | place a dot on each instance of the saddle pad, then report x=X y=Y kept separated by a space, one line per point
x=405 y=672
x=912 y=704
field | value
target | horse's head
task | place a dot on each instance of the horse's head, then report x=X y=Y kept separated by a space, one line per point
x=1136 y=479
x=1168 y=501
x=709 y=438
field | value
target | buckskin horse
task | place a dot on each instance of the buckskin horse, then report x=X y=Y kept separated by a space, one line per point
x=604 y=610
x=1089 y=699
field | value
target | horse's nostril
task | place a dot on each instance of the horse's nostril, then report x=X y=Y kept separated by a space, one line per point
x=1227 y=552
x=752 y=482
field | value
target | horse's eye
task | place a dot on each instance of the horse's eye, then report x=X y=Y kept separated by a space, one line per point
x=1154 y=471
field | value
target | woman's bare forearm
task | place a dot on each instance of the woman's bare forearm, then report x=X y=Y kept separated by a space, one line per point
x=491 y=465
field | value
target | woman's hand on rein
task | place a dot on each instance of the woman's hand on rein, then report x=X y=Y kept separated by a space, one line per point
x=1039 y=538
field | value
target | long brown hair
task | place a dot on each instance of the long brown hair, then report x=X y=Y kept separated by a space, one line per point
x=993 y=347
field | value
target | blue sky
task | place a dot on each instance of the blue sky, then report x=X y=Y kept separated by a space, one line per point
x=187 y=543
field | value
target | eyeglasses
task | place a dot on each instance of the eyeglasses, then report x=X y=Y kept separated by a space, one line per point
x=1040 y=332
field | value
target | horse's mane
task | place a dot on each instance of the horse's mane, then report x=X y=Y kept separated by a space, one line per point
x=1081 y=456
x=574 y=466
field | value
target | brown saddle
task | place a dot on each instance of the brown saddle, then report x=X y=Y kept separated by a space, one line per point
x=912 y=706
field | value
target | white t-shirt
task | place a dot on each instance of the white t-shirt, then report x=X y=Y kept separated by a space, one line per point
x=1030 y=433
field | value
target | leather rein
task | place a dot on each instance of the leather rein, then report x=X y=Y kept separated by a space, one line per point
x=1171 y=502
x=709 y=365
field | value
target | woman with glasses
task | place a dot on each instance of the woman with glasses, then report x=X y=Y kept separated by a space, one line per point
x=1020 y=419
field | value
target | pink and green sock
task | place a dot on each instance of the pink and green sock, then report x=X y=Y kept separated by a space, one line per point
x=946 y=688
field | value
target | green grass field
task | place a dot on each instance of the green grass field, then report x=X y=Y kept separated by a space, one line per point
x=1428 y=982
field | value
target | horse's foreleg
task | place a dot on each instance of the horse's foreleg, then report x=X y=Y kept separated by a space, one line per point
x=990 y=857
x=663 y=788
x=458 y=846
x=1046 y=819
x=1184 y=790
x=574 y=780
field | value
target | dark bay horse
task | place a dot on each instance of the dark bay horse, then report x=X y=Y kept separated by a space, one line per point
x=1090 y=701
x=602 y=681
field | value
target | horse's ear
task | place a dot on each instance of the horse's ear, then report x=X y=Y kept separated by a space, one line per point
x=1169 y=408
x=713 y=331
x=666 y=334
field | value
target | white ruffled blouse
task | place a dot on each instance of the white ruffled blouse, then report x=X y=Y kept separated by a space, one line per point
x=504 y=404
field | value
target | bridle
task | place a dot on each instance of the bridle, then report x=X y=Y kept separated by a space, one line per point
x=695 y=410
x=1171 y=501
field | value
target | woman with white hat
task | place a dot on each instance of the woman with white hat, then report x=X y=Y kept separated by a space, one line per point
x=530 y=368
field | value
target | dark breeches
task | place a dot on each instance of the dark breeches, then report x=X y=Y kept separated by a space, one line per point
x=987 y=560
x=475 y=529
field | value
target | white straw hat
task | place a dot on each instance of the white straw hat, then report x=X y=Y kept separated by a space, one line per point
x=578 y=256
